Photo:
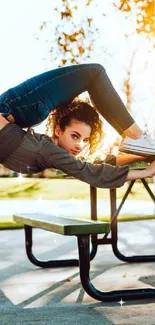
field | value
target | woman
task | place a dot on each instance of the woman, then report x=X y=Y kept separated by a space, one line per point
x=74 y=126
x=31 y=102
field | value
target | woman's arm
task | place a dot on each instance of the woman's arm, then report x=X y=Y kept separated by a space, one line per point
x=149 y=172
x=102 y=175
x=133 y=174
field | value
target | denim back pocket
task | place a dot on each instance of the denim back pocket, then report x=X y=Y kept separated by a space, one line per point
x=31 y=114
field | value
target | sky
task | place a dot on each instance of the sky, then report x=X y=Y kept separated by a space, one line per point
x=21 y=55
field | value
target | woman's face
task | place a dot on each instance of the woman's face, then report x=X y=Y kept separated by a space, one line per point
x=74 y=138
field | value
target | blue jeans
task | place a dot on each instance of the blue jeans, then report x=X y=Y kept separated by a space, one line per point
x=31 y=101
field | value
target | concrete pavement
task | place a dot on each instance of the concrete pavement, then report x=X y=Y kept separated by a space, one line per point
x=69 y=207
x=30 y=295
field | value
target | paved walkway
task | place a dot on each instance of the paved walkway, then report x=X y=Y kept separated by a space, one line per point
x=30 y=295
x=67 y=207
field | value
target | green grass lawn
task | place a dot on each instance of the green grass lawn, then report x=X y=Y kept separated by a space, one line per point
x=55 y=189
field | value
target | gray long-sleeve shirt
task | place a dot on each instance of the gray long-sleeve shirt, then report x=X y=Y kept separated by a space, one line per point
x=37 y=152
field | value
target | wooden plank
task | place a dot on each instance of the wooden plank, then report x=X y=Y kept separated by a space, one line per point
x=63 y=225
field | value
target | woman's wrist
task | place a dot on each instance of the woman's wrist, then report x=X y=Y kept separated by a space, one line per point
x=145 y=173
x=137 y=174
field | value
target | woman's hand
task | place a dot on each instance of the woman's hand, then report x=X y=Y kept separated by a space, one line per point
x=150 y=170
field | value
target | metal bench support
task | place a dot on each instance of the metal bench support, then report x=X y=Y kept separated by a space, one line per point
x=125 y=295
x=50 y=263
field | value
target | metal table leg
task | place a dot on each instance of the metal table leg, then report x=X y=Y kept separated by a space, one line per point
x=113 y=240
x=114 y=226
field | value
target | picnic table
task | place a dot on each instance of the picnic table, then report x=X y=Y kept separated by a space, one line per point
x=86 y=231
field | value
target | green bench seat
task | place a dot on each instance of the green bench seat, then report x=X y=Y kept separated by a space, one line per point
x=62 y=225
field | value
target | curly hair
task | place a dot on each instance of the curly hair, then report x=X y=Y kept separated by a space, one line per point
x=79 y=110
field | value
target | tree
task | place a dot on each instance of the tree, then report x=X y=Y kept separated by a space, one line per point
x=73 y=38
x=144 y=13
x=127 y=84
